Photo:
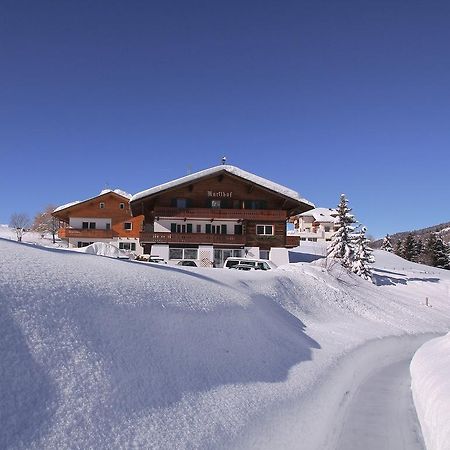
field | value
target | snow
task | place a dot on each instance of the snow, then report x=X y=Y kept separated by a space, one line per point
x=327 y=215
x=32 y=237
x=102 y=249
x=430 y=370
x=104 y=191
x=117 y=191
x=100 y=352
x=275 y=187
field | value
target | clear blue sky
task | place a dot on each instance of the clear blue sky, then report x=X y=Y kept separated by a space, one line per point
x=322 y=96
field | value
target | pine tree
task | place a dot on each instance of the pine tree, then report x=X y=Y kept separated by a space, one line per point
x=399 y=248
x=362 y=256
x=341 y=246
x=438 y=252
x=410 y=248
x=387 y=244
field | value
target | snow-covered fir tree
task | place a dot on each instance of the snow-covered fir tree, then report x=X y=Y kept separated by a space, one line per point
x=438 y=251
x=362 y=256
x=387 y=244
x=410 y=250
x=341 y=246
x=399 y=248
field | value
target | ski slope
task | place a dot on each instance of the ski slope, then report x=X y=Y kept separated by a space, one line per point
x=100 y=353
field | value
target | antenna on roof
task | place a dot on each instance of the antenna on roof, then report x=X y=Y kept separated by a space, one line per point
x=224 y=160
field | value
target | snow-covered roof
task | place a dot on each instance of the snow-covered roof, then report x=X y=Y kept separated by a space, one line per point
x=104 y=191
x=321 y=214
x=275 y=187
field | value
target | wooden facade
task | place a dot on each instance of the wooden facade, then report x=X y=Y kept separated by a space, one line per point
x=216 y=198
x=109 y=207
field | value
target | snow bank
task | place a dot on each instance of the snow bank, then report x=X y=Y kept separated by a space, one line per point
x=430 y=371
x=106 y=353
x=102 y=249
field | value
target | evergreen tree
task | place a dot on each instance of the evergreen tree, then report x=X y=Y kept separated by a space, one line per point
x=410 y=248
x=399 y=248
x=341 y=246
x=362 y=256
x=387 y=244
x=438 y=252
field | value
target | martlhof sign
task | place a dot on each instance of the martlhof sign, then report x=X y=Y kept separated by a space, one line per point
x=221 y=194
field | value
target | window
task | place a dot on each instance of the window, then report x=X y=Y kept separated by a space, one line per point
x=223 y=229
x=175 y=253
x=92 y=225
x=327 y=229
x=181 y=203
x=83 y=244
x=264 y=230
x=264 y=254
x=190 y=253
x=101 y=205
x=255 y=204
x=122 y=205
x=183 y=253
x=127 y=246
x=215 y=203
x=238 y=229
x=85 y=225
x=199 y=228
x=127 y=226
x=173 y=227
x=108 y=226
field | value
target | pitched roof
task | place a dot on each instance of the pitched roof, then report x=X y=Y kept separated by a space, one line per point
x=321 y=214
x=270 y=185
x=103 y=192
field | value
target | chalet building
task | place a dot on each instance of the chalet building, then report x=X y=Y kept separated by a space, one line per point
x=104 y=218
x=217 y=213
x=316 y=225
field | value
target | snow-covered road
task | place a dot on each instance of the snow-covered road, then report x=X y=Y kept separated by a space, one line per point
x=382 y=415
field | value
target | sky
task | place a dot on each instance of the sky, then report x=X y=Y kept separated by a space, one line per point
x=324 y=97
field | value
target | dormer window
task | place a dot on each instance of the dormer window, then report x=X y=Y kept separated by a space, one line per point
x=127 y=226
x=122 y=205
x=101 y=205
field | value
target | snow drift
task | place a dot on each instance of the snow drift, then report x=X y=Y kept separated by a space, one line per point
x=102 y=249
x=430 y=371
x=100 y=352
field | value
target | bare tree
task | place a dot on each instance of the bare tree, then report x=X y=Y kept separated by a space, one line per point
x=44 y=222
x=20 y=222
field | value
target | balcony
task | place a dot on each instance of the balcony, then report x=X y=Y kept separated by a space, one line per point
x=65 y=233
x=191 y=238
x=218 y=213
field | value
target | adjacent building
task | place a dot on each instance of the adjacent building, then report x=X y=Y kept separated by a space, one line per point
x=216 y=213
x=103 y=218
x=316 y=225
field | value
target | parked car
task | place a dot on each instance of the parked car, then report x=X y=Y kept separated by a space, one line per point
x=157 y=260
x=258 y=264
x=187 y=262
x=242 y=266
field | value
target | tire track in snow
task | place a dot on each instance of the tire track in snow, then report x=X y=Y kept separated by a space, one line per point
x=382 y=415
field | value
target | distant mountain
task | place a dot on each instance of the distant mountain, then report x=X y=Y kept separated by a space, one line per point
x=443 y=229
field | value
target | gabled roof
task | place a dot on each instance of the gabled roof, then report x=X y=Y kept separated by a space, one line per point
x=104 y=192
x=321 y=214
x=267 y=184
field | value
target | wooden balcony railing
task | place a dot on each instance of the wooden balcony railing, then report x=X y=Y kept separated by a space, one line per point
x=292 y=241
x=65 y=233
x=219 y=213
x=191 y=238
